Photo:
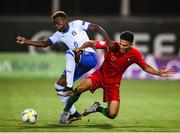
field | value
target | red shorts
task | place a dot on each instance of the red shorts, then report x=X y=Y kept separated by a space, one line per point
x=110 y=90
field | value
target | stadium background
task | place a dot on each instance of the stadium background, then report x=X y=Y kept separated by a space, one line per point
x=156 y=25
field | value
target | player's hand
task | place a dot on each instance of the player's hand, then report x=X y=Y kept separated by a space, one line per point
x=166 y=72
x=20 y=40
x=77 y=50
x=110 y=45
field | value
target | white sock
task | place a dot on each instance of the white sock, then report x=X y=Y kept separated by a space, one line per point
x=70 y=67
x=72 y=110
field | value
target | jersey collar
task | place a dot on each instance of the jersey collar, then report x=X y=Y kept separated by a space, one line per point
x=66 y=29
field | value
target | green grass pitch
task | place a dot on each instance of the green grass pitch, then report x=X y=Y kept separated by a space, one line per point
x=146 y=105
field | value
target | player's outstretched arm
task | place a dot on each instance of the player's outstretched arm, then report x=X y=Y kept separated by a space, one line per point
x=162 y=73
x=86 y=45
x=23 y=41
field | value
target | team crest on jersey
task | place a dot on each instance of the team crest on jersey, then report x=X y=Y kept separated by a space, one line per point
x=113 y=58
x=74 y=33
x=102 y=42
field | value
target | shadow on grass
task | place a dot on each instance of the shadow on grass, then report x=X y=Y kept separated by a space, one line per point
x=62 y=126
x=82 y=126
x=87 y=126
x=103 y=126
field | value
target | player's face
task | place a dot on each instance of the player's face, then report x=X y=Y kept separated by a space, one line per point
x=125 y=46
x=60 y=23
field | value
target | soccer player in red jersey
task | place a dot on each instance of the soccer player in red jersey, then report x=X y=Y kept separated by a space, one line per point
x=117 y=59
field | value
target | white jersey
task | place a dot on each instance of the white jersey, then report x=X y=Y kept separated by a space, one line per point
x=74 y=37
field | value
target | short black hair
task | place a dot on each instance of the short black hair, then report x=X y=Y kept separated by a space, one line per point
x=128 y=36
x=59 y=14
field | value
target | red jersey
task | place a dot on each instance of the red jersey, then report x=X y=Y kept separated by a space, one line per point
x=115 y=62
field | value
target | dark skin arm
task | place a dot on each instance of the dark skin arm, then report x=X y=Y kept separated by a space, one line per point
x=101 y=31
x=23 y=41
x=162 y=73
x=92 y=27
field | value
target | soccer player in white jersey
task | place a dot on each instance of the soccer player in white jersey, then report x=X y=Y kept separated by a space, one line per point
x=73 y=34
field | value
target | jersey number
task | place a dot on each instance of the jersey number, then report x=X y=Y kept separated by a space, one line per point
x=75 y=44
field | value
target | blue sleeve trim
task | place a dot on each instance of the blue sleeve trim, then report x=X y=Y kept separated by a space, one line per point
x=50 y=42
x=70 y=52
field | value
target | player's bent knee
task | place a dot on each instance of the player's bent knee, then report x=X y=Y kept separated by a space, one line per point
x=62 y=80
x=112 y=116
x=81 y=89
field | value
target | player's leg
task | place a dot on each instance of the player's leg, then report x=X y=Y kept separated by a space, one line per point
x=85 y=62
x=69 y=72
x=91 y=83
x=113 y=109
x=111 y=96
x=70 y=68
x=84 y=85
x=59 y=87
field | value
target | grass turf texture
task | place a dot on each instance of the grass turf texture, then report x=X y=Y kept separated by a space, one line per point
x=146 y=105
